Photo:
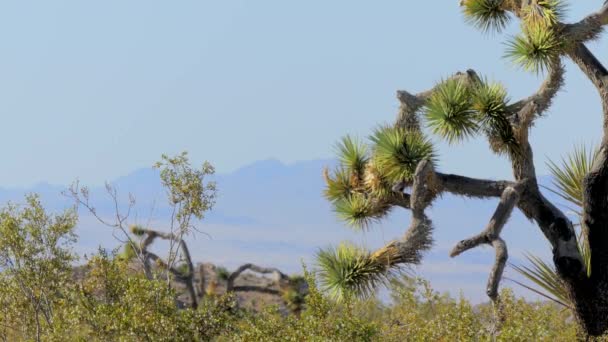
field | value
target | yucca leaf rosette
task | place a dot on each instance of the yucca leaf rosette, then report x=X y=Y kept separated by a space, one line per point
x=535 y=49
x=349 y=271
x=569 y=175
x=490 y=102
x=545 y=13
x=375 y=181
x=352 y=154
x=486 y=15
x=348 y=177
x=397 y=152
x=448 y=111
x=338 y=184
x=360 y=210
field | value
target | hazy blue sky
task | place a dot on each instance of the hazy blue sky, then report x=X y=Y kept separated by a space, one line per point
x=96 y=89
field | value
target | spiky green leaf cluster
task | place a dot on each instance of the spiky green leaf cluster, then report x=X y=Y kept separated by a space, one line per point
x=338 y=185
x=545 y=13
x=398 y=151
x=352 y=154
x=353 y=157
x=375 y=181
x=349 y=271
x=359 y=210
x=487 y=15
x=535 y=49
x=569 y=176
x=544 y=275
x=448 y=111
x=490 y=103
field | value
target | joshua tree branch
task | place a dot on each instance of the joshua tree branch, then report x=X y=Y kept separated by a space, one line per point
x=399 y=199
x=500 y=247
x=491 y=235
x=411 y=104
x=529 y=108
x=472 y=187
x=588 y=28
x=418 y=236
x=595 y=199
x=590 y=66
x=187 y=278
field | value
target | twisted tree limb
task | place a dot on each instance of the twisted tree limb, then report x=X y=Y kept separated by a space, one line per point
x=418 y=237
x=491 y=235
x=528 y=109
x=588 y=28
x=185 y=278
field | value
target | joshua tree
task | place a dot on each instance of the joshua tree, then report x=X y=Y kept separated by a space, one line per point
x=398 y=168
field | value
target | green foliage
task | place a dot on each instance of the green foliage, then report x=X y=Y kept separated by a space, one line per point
x=357 y=189
x=535 y=49
x=418 y=313
x=490 y=102
x=222 y=273
x=129 y=251
x=352 y=154
x=397 y=152
x=35 y=270
x=448 y=111
x=116 y=302
x=294 y=299
x=321 y=320
x=569 y=176
x=544 y=13
x=359 y=211
x=487 y=15
x=545 y=276
x=349 y=271
x=339 y=186
x=186 y=186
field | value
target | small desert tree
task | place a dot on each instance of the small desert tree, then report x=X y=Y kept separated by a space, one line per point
x=189 y=196
x=35 y=270
x=372 y=180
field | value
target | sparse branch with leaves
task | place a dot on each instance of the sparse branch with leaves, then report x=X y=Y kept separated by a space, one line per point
x=189 y=195
x=372 y=180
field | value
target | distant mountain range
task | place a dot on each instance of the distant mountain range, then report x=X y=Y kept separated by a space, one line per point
x=270 y=213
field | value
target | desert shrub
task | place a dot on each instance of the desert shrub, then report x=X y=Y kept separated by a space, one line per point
x=222 y=273
x=119 y=303
x=321 y=320
x=44 y=297
x=35 y=271
x=420 y=313
x=415 y=313
x=534 y=321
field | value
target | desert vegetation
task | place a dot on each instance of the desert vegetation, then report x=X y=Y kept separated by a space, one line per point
x=397 y=168
x=136 y=293
x=133 y=294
